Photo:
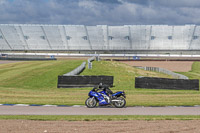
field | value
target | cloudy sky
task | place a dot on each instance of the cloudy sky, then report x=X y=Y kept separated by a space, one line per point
x=100 y=12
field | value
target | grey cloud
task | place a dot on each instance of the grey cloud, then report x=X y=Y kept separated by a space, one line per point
x=95 y=12
x=179 y=3
x=110 y=1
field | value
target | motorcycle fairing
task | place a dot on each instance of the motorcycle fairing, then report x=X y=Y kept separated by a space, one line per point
x=117 y=93
x=99 y=97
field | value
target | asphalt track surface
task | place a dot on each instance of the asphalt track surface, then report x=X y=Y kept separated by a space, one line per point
x=52 y=110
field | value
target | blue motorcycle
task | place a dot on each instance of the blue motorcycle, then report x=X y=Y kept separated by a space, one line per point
x=104 y=96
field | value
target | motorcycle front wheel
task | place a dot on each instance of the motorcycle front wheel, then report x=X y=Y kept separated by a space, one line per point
x=121 y=103
x=91 y=102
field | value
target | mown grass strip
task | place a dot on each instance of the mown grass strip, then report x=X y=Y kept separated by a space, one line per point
x=96 y=117
x=35 y=74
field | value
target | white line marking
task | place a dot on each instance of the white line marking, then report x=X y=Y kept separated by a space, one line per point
x=49 y=105
x=21 y=105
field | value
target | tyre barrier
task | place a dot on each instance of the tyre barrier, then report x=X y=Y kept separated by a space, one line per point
x=165 y=83
x=78 y=81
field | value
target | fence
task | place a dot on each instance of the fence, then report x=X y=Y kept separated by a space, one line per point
x=165 y=71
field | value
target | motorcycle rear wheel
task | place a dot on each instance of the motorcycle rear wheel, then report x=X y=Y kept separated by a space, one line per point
x=91 y=102
x=121 y=103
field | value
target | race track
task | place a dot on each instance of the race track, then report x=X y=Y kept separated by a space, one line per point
x=52 y=110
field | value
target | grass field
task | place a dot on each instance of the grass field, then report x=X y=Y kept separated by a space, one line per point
x=194 y=73
x=95 y=117
x=35 y=82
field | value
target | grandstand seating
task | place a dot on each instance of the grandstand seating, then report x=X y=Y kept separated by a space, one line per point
x=54 y=37
x=140 y=36
x=119 y=38
x=100 y=37
x=195 y=40
x=77 y=37
x=96 y=37
x=11 y=37
x=35 y=38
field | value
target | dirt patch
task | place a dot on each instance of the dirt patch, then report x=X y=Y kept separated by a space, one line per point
x=177 y=66
x=136 y=126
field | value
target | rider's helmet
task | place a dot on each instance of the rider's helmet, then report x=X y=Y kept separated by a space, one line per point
x=100 y=85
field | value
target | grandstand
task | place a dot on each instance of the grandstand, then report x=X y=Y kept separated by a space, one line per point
x=184 y=39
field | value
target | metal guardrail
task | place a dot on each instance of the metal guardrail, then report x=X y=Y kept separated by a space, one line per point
x=80 y=68
x=165 y=71
x=106 y=55
x=91 y=59
x=77 y=70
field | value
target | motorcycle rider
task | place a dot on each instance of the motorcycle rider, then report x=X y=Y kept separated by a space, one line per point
x=106 y=89
x=104 y=96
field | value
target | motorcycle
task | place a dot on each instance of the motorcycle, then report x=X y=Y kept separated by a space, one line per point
x=104 y=96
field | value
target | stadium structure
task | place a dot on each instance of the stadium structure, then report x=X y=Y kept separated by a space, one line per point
x=183 y=39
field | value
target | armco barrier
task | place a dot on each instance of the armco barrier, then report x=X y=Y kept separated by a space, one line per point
x=165 y=71
x=83 y=81
x=91 y=59
x=164 y=83
x=27 y=59
x=76 y=71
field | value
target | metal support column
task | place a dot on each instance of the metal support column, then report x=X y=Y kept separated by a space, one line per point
x=130 y=38
x=20 y=27
x=191 y=40
x=67 y=43
x=150 y=38
x=88 y=38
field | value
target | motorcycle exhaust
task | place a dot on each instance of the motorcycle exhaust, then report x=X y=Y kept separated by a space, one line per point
x=116 y=100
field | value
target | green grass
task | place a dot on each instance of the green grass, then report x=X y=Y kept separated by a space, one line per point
x=124 y=75
x=95 y=117
x=124 y=79
x=35 y=82
x=34 y=74
x=194 y=73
